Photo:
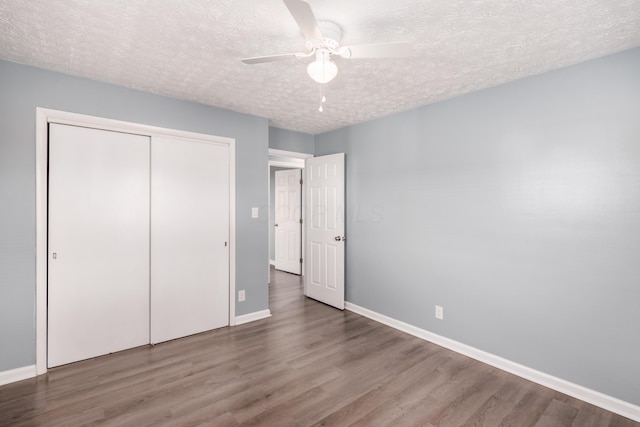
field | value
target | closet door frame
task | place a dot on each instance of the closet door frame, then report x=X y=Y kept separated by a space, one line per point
x=44 y=116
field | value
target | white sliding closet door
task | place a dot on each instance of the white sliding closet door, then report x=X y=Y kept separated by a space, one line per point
x=98 y=284
x=189 y=237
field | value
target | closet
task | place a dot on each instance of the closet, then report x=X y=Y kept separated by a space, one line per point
x=138 y=240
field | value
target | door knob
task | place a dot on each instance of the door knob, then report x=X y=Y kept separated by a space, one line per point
x=338 y=238
x=276 y=225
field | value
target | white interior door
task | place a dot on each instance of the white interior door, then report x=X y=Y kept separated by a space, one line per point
x=189 y=237
x=288 y=216
x=98 y=269
x=325 y=229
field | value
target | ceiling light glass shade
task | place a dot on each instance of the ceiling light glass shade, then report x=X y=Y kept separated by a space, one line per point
x=322 y=71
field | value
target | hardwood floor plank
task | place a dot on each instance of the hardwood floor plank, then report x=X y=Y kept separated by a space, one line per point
x=308 y=364
x=367 y=408
x=456 y=409
x=591 y=416
x=497 y=406
x=557 y=414
x=620 y=421
x=529 y=408
x=419 y=413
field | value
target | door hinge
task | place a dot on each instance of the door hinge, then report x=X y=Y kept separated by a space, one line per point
x=301 y=182
x=300 y=260
x=300 y=220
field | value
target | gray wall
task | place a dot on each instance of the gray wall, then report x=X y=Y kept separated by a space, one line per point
x=289 y=140
x=517 y=208
x=23 y=89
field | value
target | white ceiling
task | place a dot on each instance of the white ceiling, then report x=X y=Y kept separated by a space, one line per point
x=191 y=49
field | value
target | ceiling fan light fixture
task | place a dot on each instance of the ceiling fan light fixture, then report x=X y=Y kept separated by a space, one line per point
x=323 y=69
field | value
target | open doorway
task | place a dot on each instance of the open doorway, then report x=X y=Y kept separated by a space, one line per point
x=280 y=160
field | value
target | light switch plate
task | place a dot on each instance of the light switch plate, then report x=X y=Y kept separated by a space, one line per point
x=255 y=212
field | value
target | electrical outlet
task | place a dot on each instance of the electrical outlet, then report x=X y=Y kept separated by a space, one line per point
x=241 y=296
x=439 y=312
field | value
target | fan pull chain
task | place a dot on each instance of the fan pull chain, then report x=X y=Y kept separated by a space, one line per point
x=322 y=100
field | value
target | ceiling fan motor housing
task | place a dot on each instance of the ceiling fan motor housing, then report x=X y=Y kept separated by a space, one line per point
x=332 y=34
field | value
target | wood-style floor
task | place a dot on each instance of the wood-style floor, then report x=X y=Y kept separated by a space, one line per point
x=309 y=364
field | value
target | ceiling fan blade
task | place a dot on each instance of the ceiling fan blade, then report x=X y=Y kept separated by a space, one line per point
x=377 y=50
x=302 y=13
x=269 y=58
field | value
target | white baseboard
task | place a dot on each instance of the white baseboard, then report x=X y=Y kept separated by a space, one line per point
x=251 y=317
x=596 y=398
x=17 y=374
x=272 y=262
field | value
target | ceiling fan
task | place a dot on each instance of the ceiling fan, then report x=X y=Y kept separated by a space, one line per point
x=323 y=42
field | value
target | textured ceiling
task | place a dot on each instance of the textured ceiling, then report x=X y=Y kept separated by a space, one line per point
x=191 y=49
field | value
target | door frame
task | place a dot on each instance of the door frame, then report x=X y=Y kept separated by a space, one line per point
x=292 y=160
x=44 y=116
